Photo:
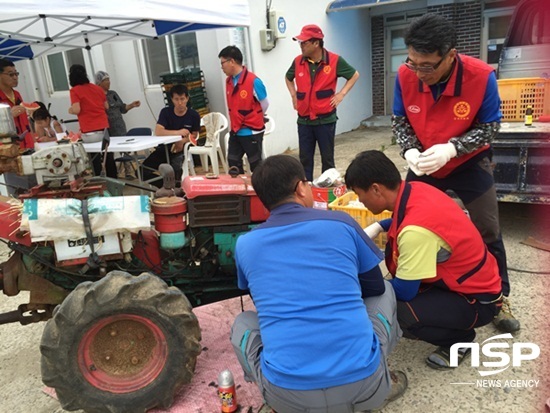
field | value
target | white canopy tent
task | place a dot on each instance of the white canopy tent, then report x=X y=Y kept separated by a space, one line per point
x=31 y=28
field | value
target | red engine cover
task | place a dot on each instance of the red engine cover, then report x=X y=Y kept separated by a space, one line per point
x=199 y=185
x=196 y=186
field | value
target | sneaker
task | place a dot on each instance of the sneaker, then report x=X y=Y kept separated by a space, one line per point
x=399 y=383
x=130 y=177
x=505 y=320
x=440 y=359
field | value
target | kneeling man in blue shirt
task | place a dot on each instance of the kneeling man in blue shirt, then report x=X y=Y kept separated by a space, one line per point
x=326 y=319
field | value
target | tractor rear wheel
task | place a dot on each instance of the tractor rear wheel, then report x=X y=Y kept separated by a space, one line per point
x=121 y=344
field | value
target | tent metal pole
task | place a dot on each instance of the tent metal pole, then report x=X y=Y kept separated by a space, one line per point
x=249 y=49
x=91 y=58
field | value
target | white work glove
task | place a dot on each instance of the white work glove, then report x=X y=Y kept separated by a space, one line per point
x=373 y=230
x=411 y=156
x=435 y=158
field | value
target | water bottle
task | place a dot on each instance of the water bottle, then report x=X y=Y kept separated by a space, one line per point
x=529 y=116
x=226 y=392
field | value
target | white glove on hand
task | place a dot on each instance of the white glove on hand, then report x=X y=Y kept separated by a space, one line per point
x=434 y=158
x=412 y=157
x=373 y=230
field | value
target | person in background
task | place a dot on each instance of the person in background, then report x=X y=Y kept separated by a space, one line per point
x=30 y=114
x=445 y=279
x=247 y=103
x=446 y=113
x=117 y=107
x=9 y=79
x=326 y=319
x=46 y=126
x=177 y=119
x=89 y=104
x=311 y=81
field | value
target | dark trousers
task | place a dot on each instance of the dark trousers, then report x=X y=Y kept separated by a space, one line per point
x=442 y=317
x=308 y=137
x=250 y=145
x=473 y=183
x=110 y=165
x=153 y=161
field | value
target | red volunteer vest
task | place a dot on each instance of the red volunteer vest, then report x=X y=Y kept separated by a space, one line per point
x=244 y=109
x=453 y=113
x=313 y=98
x=471 y=269
x=21 y=121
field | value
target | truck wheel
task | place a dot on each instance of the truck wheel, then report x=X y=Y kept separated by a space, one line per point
x=121 y=344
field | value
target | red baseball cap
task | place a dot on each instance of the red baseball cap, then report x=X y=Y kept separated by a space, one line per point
x=311 y=31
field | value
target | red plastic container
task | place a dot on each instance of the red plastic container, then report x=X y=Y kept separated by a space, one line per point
x=170 y=214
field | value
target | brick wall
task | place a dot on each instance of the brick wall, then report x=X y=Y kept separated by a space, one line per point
x=466 y=17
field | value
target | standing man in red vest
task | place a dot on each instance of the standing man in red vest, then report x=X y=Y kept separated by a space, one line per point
x=9 y=79
x=247 y=103
x=446 y=112
x=311 y=81
x=446 y=281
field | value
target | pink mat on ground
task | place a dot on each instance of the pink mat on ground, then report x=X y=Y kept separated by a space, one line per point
x=200 y=396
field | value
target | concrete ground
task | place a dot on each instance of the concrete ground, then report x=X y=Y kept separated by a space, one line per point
x=519 y=388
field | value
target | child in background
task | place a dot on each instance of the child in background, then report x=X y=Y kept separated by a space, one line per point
x=46 y=126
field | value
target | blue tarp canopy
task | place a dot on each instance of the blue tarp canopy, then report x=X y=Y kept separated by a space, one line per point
x=340 y=5
x=31 y=28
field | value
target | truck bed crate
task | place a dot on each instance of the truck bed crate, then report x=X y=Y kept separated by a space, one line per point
x=361 y=214
x=517 y=94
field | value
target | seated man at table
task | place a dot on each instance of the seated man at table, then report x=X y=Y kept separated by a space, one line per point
x=177 y=119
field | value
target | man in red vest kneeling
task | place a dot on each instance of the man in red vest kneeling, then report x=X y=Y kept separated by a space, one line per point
x=445 y=279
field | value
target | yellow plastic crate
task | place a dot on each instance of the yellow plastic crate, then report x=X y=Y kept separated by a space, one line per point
x=361 y=214
x=517 y=94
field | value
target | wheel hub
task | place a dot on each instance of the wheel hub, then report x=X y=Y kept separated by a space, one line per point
x=122 y=353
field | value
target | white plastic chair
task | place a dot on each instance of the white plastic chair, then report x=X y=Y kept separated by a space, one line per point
x=269 y=128
x=215 y=124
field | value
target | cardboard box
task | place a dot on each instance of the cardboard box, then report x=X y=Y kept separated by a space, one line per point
x=324 y=196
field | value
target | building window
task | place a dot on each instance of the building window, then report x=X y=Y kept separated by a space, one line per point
x=495 y=26
x=169 y=54
x=58 y=66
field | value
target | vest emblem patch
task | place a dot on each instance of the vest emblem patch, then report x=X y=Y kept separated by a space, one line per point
x=413 y=109
x=327 y=69
x=243 y=94
x=461 y=109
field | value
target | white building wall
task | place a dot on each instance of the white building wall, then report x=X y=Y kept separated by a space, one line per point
x=346 y=33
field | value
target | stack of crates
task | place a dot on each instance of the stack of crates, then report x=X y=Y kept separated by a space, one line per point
x=194 y=80
x=517 y=94
x=346 y=203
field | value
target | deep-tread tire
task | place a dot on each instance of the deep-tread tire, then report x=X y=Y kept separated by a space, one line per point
x=145 y=309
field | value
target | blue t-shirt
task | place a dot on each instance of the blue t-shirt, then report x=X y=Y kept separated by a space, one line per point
x=259 y=91
x=191 y=120
x=301 y=267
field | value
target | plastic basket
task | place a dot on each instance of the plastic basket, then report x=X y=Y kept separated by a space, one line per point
x=197 y=91
x=362 y=215
x=517 y=94
x=173 y=78
x=194 y=85
x=193 y=75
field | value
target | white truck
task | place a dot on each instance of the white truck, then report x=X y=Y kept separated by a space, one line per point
x=522 y=153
